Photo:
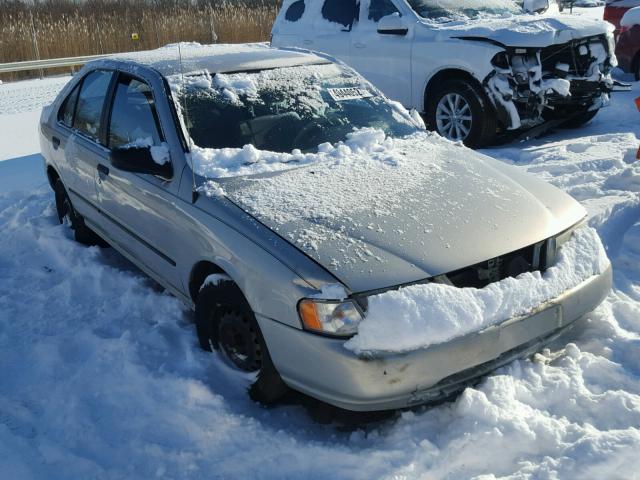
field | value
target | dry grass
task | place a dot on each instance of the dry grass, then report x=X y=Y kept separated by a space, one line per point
x=64 y=28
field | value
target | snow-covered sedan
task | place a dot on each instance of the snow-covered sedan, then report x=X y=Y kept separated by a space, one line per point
x=324 y=239
x=475 y=69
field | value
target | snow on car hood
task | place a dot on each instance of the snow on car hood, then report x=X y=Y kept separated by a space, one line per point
x=429 y=314
x=528 y=30
x=379 y=212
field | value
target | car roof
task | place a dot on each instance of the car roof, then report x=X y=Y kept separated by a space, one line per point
x=188 y=58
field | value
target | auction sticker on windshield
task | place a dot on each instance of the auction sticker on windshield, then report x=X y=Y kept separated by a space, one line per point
x=348 y=93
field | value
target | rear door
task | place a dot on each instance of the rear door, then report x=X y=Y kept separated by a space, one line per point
x=140 y=209
x=78 y=136
x=382 y=58
x=332 y=27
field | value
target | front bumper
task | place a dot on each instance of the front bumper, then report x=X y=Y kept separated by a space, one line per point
x=323 y=368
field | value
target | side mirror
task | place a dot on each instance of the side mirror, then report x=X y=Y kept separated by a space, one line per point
x=392 y=25
x=139 y=160
x=535 y=6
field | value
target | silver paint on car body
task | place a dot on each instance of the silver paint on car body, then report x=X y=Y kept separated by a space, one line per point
x=156 y=224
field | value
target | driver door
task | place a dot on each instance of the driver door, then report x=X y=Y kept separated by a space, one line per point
x=139 y=208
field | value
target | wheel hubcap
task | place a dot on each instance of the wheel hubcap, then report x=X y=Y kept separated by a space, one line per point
x=453 y=117
x=239 y=341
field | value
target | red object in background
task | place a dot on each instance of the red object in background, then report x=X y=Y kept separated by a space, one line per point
x=628 y=48
x=615 y=10
x=638 y=107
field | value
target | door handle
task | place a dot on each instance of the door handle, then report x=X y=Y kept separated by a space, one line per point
x=359 y=45
x=103 y=171
x=56 y=142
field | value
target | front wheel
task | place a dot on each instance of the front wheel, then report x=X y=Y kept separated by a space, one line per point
x=461 y=112
x=226 y=322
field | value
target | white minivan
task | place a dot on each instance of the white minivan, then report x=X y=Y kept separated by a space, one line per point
x=475 y=69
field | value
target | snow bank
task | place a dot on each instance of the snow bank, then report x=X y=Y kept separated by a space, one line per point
x=631 y=17
x=422 y=315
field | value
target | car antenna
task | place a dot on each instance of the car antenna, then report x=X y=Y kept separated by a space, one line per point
x=194 y=190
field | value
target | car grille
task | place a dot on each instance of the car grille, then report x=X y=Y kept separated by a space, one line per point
x=512 y=264
x=570 y=54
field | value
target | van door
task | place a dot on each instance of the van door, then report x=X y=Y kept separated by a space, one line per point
x=382 y=58
x=332 y=27
x=140 y=208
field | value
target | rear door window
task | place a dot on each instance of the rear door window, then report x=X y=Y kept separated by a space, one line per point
x=134 y=120
x=381 y=8
x=91 y=102
x=342 y=12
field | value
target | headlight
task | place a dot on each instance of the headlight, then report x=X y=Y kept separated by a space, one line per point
x=334 y=318
x=555 y=243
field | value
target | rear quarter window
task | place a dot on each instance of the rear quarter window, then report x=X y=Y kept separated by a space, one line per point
x=68 y=108
x=295 y=11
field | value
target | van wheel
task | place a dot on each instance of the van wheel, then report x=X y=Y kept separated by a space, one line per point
x=460 y=111
x=68 y=216
x=225 y=322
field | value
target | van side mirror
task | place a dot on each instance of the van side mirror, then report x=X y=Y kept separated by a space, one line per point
x=139 y=160
x=392 y=25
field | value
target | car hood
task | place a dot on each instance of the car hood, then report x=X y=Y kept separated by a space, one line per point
x=404 y=210
x=527 y=30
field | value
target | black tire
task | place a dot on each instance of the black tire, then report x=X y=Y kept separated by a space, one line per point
x=67 y=214
x=225 y=322
x=482 y=131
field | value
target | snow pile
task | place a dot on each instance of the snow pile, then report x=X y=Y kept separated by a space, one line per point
x=631 y=17
x=530 y=30
x=248 y=160
x=422 y=315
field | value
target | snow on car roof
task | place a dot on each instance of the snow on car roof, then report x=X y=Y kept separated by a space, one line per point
x=218 y=58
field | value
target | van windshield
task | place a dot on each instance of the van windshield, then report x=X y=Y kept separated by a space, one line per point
x=284 y=109
x=451 y=10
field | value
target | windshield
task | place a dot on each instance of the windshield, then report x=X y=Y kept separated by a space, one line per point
x=284 y=109
x=449 y=10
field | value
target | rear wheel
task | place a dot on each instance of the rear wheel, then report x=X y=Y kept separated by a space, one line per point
x=68 y=216
x=460 y=111
x=226 y=322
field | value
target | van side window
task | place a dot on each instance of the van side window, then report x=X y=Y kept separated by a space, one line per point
x=68 y=108
x=295 y=11
x=90 y=102
x=343 y=12
x=133 y=116
x=381 y=8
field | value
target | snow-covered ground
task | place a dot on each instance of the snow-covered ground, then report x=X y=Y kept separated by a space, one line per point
x=101 y=375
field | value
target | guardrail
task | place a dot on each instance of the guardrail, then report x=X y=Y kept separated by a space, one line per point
x=49 y=63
